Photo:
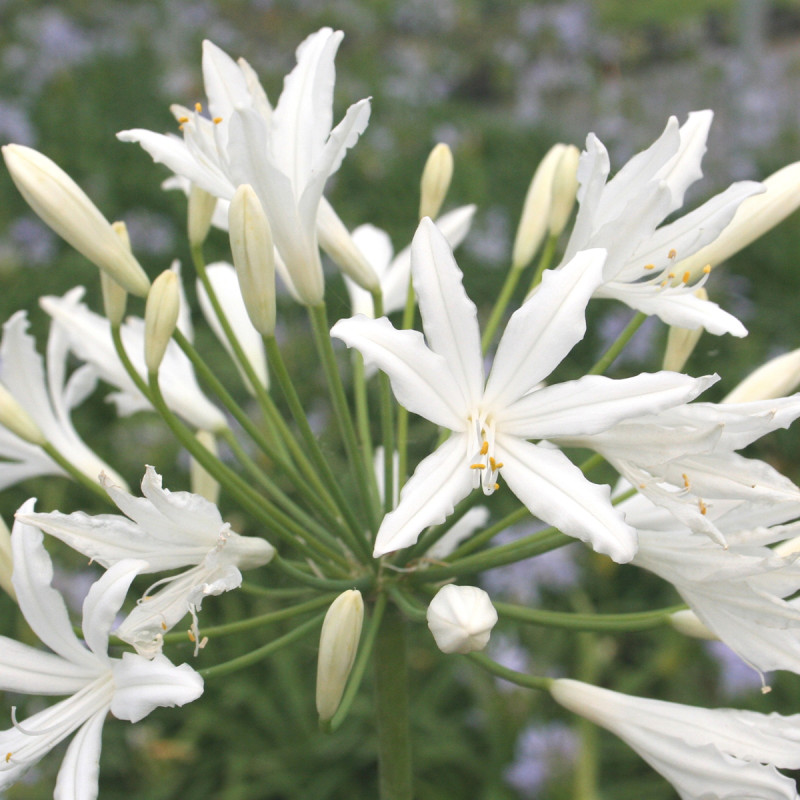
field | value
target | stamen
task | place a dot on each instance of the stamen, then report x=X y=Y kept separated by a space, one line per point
x=702 y=506
x=217 y=120
x=685 y=480
x=671 y=275
x=183 y=120
x=649 y=266
x=19 y=727
x=484 y=447
x=686 y=276
x=707 y=269
x=496 y=486
x=198 y=107
x=8 y=757
x=672 y=253
x=477 y=466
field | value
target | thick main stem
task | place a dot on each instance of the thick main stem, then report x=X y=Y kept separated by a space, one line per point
x=391 y=709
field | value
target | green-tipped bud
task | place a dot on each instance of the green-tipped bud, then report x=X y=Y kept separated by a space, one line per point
x=777 y=378
x=202 y=482
x=687 y=623
x=436 y=177
x=6 y=561
x=754 y=217
x=254 y=258
x=201 y=209
x=64 y=206
x=160 y=317
x=682 y=341
x=338 y=643
x=535 y=218
x=16 y=419
x=564 y=190
x=336 y=241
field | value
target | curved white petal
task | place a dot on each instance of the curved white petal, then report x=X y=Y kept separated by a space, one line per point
x=429 y=496
x=557 y=492
x=544 y=329
x=80 y=769
x=29 y=670
x=421 y=379
x=142 y=685
x=449 y=317
x=225 y=84
x=594 y=403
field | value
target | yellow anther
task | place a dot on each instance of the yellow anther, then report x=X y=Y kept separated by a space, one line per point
x=649 y=266
x=663 y=284
x=672 y=253
x=498 y=465
x=670 y=274
x=180 y=127
x=707 y=269
x=702 y=506
x=8 y=757
x=685 y=480
x=642 y=485
x=198 y=107
x=686 y=276
x=492 y=463
x=190 y=634
x=477 y=466
x=182 y=120
x=163 y=626
x=484 y=448
x=496 y=486
x=217 y=120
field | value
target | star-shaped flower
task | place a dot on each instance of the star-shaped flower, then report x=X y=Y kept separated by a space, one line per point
x=443 y=381
x=129 y=687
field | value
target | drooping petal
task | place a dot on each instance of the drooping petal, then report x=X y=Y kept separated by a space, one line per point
x=449 y=317
x=80 y=769
x=429 y=496
x=142 y=685
x=594 y=403
x=544 y=329
x=421 y=379
x=557 y=492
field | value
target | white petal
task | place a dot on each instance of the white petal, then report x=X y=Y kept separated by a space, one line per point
x=421 y=379
x=29 y=670
x=429 y=496
x=142 y=685
x=544 y=329
x=594 y=403
x=80 y=769
x=556 y=491
x=449 y=317
x=226 y=86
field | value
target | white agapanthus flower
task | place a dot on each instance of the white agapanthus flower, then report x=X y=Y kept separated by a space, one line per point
x=394 y=271
x=48 y=396
x=461 y=618
x=129 y=687
x=165 y=531
x=286 y=154
x=89 y=337
x=223 y=280
x=737 y=591
x=622 y=215
x=706 y=754
x=492 y=421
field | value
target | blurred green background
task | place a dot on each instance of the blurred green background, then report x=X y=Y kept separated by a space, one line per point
x=499 y=81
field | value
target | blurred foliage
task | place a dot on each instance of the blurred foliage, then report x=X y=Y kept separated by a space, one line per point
x=72 y=74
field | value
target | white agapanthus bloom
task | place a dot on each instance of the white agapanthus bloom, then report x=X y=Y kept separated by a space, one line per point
x=493 y=420
x=48 y=396
x=89 y=337
x=286 y=154
x=165 y=531
x=225 y=284
x=129 y=687
x=394 y=271
x=706 y=754
x=461 y=618
x=622 y=215
x=684 y=459
x=737 y=591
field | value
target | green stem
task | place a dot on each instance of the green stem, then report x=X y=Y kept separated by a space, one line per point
x=391 y=708
x=499 y=309
x=635 y=621
x=617 y=347
x=487 y=534
x=520 y=678
x=360 y=666
x=363 y=583
x=544 y=263
x=75 y=473
x=253 y=657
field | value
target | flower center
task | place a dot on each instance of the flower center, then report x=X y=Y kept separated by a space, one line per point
x=484 y=465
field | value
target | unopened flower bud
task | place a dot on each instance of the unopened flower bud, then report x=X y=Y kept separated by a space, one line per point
x=687 y=623
x=754 y=217
x=115 y=298
x=160 y=318
x=564 y=190
x=338 y=643
x=682 y=341
x=336 y=241
x=202 y=482
x=6 y=561
x=777 y=378
x=436 y=177
x=64 y=206
x=16 y=419
x=461 y=618
x=535 y=218
x=254 y=258
x=201 y=209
